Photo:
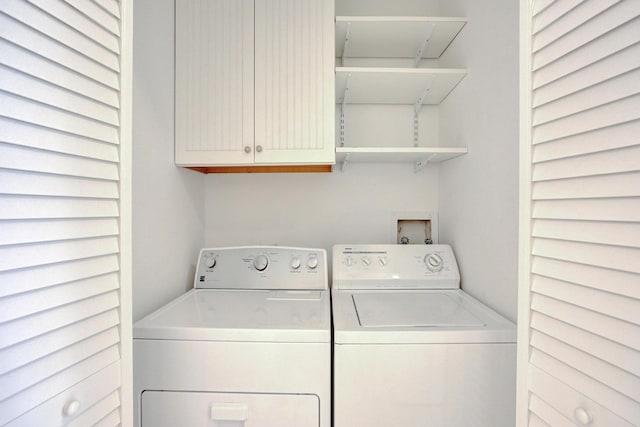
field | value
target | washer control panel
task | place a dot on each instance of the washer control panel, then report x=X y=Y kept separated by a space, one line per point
x=261 y=267
x=395 y=266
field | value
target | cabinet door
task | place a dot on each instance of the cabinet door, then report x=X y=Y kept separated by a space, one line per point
x=214 y=82
x=294 y=81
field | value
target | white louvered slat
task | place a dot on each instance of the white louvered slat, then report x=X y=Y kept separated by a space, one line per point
x=110 y=6
x=616 y=306
x=56 y=74
x=26 y=135
x=44 y=322
x=619 y=282
x=584 y=195
x=25 y=377
x=587 y=342
x=27 y=159
x=94 y=415
x=617 y=64
x=611 y=399
x=594 y=96
x=19 y=207
x=566 y=17
x=600 y=49
x=16 y=83
x=25 y=304
x=547 y=414
x=53 y=28
x=605 y=373
x=60 y=293
x=582 y=29
x=609 y=138
x=617 y=209
x=25 y=353
x=99 y=16
x=22 y=109
x=619 y=185
x=604 y=162
x=81 y=23
x=42 y=276
x=614 y=329
x=86 y=392
x=34 y=255
x=23 y=36
x=18 y=404
x=51 y=230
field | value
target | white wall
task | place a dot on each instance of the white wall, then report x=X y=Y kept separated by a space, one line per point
x=317 y=210
x=479 y=191
x=168 y=204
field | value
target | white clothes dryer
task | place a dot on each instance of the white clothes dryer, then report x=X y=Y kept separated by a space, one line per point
x=249 y=345
x=411 y=349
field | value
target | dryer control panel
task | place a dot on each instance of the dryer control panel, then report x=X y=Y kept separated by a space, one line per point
x=395 y=266
x=262 y=267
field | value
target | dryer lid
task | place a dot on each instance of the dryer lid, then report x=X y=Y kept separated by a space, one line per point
x=241 y=316
x=411 y=309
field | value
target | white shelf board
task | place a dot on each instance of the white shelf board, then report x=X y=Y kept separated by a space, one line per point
x=395 y=36
x=397 y=154
x=374 y=85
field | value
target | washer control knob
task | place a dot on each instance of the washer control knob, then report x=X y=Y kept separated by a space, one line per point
x=366 y=261
x=434 y=262
x=312 y=262
x=295 y=263
x=382 y=260
x=210 y=261
x=261 y=262
x=348 y=261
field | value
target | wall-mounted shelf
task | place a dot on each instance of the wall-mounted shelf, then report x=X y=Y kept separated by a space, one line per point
x=419 y=156
x=378 y=37
x=395 y=36
x=373 y=85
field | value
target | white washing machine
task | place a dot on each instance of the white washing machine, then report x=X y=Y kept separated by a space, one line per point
x=249 y=346
x=410 y=348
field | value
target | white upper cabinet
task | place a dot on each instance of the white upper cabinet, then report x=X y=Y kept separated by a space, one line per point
x=254 y=82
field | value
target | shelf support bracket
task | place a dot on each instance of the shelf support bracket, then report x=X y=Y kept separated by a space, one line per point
x=342 y=108
x=344 y=162
x=345 y=45
x=421 y=164
x=416 y=112
x=423 y=46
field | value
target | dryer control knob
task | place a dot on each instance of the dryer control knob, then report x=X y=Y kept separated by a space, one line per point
x=210 y=262
x=366 y=261
x=434 y=262
x=382 y=260
x=295 y=263
x=312 y=262
x=348 y=261
x=260 y=262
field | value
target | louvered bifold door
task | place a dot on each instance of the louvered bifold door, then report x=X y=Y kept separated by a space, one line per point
x=585 y=213
x=59 y=212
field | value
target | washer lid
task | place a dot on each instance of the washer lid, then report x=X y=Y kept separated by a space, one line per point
x=241 y=316
x=415 y=317
x=411 y=309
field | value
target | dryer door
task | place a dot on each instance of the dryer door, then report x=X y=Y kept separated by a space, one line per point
x=176 y=408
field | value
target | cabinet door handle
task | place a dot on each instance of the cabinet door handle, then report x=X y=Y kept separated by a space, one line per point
x=259 y=148
x=247 y=149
